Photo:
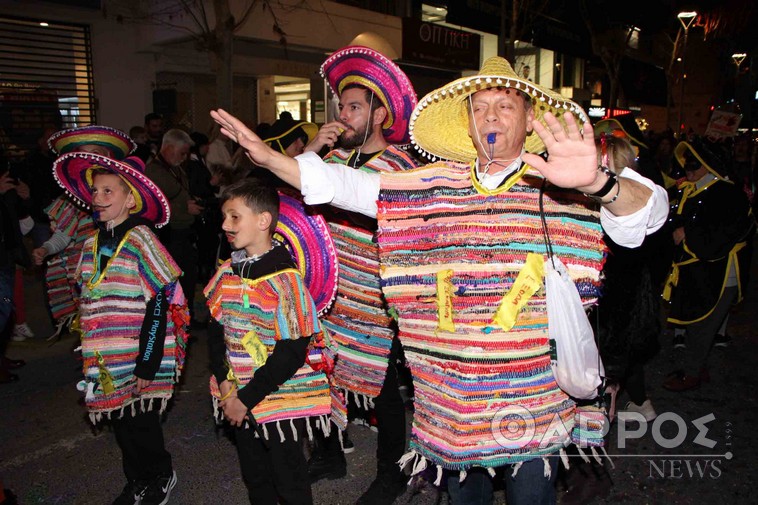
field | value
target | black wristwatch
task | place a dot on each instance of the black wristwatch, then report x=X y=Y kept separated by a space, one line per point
x=607 y=187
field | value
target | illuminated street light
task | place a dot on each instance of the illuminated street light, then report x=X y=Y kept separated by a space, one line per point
x=685 y=18
x=738 y=59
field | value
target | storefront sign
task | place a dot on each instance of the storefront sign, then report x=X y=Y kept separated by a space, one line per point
x=439 y=45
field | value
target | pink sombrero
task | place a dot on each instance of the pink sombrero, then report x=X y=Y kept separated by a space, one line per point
x=73 y=171
x=369 y=68
x=116 y=141
x=308 y=240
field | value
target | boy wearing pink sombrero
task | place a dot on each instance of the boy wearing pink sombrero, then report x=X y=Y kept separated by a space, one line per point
x=132 y=315
x=71 y=223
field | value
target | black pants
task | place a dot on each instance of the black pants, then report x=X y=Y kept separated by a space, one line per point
x=274 y=470
x=390 y=418
x=181 y=246
x=143 y=452
x=700 y=334
x=390 y=415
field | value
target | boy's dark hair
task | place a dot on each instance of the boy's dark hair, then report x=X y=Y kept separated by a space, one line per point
x=257 y=195
x=375 y=104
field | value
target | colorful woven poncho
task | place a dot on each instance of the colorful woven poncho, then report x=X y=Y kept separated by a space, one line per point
x=112 y=308
x=358 y=322
x=61 y=268
x=255 y=315
x=450 y=251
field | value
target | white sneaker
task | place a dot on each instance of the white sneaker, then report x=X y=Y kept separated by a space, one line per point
x=646 y=409
x=21 y=332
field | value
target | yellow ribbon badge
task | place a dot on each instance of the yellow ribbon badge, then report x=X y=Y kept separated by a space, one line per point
x=527 y=283
x=106 y=379
x=445 y=292
x=255 y=348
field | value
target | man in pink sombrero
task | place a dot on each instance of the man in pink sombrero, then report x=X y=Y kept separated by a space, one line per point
x=375 y=103
x=455 y=237
x=132 y=315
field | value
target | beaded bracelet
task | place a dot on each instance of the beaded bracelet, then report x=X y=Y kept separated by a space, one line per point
x=615 y=197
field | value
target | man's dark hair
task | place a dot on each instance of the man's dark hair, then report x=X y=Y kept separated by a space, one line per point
x=152 y=115
x=257 y=195
x=376 y=102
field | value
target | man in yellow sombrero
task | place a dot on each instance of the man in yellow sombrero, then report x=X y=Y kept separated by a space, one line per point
x=454 y=237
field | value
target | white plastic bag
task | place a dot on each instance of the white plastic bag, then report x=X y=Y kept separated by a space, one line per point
x=578 y=367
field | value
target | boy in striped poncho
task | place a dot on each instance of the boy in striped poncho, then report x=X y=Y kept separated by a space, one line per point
x=132 y=315
x=263 y=331
x=71 y=224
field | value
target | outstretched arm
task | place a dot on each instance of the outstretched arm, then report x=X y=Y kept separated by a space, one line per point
x=319 y=182
x=279 y=164
x=572 y=163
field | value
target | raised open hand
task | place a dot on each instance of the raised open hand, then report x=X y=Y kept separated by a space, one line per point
x=572 y=155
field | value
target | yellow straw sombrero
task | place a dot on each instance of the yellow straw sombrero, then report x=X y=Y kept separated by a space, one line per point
x=439 y=124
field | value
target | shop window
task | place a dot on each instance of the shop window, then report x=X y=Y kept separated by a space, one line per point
x=45 y=79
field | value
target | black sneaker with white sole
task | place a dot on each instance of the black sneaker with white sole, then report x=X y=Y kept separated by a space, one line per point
x=159 y=490
x=132 y=493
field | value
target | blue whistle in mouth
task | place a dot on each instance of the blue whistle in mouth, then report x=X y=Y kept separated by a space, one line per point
x=491 y=137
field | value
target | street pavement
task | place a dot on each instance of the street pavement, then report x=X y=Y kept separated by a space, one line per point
x=50 y=453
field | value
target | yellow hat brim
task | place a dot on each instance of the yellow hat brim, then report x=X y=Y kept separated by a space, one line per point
x=439 y=123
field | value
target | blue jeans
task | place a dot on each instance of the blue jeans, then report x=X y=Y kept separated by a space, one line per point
x=529 y=487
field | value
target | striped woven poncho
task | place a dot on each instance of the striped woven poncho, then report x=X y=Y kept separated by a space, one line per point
x=255 y=314
x=450 y=251
x=61 y=268
x=358 y=322
x=112 y=308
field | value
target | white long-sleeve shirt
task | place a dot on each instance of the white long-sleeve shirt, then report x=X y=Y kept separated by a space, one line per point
x=358 y=191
